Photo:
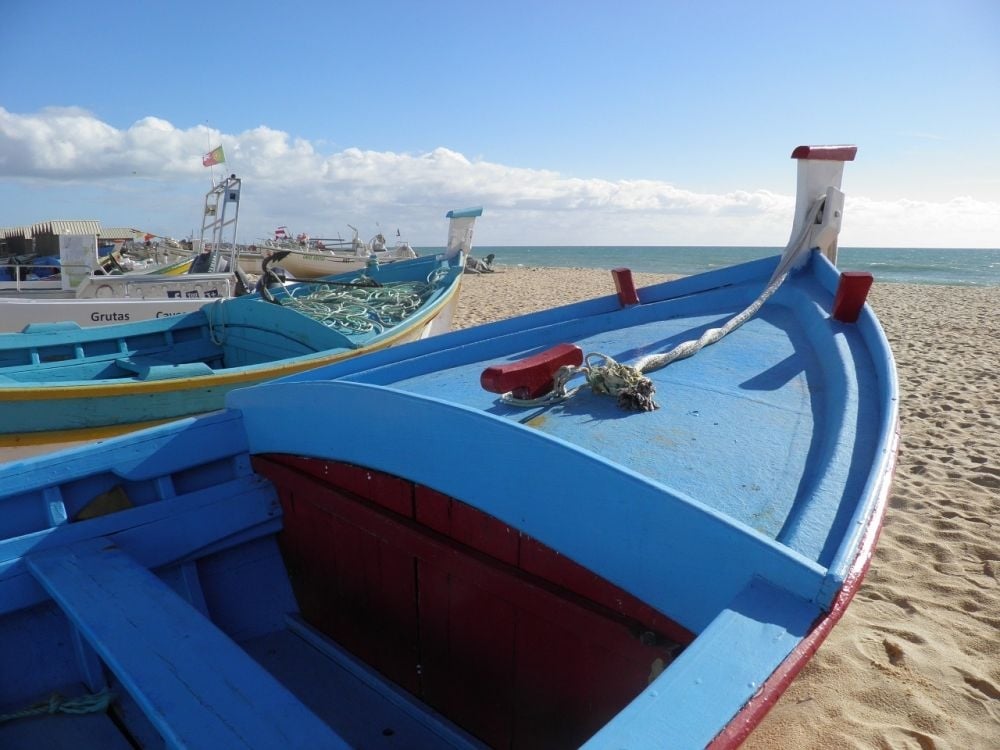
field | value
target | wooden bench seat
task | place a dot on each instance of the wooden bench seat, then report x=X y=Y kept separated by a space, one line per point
x=151 y=368
x=197 y=687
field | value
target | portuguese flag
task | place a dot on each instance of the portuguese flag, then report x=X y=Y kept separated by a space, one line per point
x=213 y=157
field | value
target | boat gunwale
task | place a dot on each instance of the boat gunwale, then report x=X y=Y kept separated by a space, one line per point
x=754 y=710
x=665 y=291
x=887 y=441
x=42 y=391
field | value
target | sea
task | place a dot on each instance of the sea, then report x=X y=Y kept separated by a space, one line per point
x=953 y=266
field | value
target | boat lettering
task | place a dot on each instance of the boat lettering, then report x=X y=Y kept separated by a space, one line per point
x=109 y=317
x=162 y=314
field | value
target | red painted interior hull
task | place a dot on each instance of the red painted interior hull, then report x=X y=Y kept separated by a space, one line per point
x=516 y=644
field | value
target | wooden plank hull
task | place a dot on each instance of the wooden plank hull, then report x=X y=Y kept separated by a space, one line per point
x=307 y=265
x=420 y=560
x=63 y=380
x=304 y=264
x=466 y=575
x=743 y=509
x=71 y=412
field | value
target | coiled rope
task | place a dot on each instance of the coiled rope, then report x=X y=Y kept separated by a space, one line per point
x=628 y=383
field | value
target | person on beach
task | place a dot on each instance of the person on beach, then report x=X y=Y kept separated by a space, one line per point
x=474 y=265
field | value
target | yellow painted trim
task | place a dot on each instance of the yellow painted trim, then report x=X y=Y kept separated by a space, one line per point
x=81 y=434
x=178 y=269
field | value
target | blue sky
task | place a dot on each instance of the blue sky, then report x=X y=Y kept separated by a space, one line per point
x=570 y=122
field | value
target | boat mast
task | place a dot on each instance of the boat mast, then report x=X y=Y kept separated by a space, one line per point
x=222 y=213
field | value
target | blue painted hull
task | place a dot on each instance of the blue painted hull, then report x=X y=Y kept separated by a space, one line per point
x=739 y=508
x=61 y=379
x=387 y=550
x=708 y=545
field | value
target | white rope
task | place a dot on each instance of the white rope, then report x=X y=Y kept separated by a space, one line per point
x=792 y=251
x=712 y=335
x=628 y=383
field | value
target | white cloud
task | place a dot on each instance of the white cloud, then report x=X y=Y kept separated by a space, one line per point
x=66 y=163
x=959 y=222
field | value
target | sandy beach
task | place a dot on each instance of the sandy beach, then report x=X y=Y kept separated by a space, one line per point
x=915 y=663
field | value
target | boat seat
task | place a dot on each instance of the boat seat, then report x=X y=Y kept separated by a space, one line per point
x=183 y=524
x=197 y=687
x=151 y=368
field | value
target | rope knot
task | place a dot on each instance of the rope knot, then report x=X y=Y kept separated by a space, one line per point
x=633 y=390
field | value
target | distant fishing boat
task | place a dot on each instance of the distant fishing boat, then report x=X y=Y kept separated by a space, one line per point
x=60 y=377
x=310 y=258
x=626 y=522
x=80 y=288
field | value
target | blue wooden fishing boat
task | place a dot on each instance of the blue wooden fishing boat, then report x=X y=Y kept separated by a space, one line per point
x=467 y=541
x=60 y=381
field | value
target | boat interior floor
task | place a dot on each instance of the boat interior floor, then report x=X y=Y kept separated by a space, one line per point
x=361 y=706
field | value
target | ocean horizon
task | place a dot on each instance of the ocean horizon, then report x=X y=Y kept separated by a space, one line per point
x=952 y=266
